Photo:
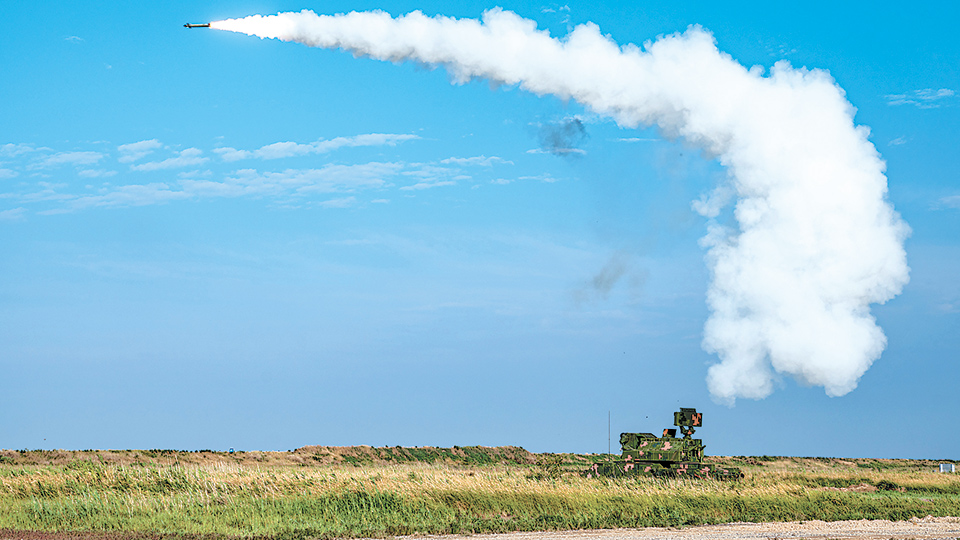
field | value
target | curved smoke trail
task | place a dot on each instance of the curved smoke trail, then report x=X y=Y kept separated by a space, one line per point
x=816 y=243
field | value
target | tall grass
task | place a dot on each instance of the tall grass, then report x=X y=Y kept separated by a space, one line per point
x=391 y=499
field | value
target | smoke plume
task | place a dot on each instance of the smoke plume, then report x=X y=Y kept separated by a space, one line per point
x=815 y=242
x=562 y=138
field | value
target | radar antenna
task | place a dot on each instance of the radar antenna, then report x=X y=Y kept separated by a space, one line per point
x=687 y=420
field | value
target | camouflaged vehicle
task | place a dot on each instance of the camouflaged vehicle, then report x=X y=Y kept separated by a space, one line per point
x=644 y=454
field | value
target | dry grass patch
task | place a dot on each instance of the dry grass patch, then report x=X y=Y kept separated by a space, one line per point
x=433 y=491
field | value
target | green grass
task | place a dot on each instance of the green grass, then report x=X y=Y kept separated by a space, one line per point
x=427 y=491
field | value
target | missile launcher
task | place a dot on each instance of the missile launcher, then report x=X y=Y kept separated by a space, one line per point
x=645 y=454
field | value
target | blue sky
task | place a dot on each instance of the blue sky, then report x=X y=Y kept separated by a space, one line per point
x=417 y=267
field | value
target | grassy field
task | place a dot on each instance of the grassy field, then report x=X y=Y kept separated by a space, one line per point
x=325 y=492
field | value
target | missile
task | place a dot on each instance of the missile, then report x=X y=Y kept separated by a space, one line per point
x=204 y=25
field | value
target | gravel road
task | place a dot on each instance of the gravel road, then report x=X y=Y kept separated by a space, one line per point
x=926 y=528
x=929 y=527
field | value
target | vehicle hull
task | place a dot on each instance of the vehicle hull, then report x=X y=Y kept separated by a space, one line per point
x=669 y=456
x=682 y=469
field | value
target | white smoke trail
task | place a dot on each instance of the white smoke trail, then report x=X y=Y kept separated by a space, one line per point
x=816 y=243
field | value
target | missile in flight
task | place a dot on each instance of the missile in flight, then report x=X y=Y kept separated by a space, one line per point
x=204 y=25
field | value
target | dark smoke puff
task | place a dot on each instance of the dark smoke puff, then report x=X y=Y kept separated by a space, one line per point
x=563 y=138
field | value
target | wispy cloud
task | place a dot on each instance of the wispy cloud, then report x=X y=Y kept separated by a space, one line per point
x=427 y=170
x=777 y=49
x=898 y=141
x=546 y=177
x=95 y=173
x=635 y=139
x=75 y=39
x=134 y=151
x=195 y=175
x=563 y=10
x=129 y=195
x=338 y=178
x=16 y=149
x=430 y=176
x=48 y=192
x=12 y=214
x=187 y=158
x=68 y=158
x=482 y=161
x=292 y=182
x=288 y=149
x=950 y=201
x=427 y=185
x=342 y=202
x=283 y=186
x=926 y=98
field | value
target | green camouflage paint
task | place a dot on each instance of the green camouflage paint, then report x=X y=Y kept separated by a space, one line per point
x=667 y=456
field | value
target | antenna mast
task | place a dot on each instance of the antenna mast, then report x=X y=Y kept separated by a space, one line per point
x=608 y=434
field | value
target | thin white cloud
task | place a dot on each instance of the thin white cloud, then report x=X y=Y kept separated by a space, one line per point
x=187 y=158
x=282 y=185
x=334 y=178
x=898 y=141
x=427 y=185
x=482 y=161
x=16 y=149
x=926 y=98
x=291 y=187
x=195 y=174
x=501 y=181
x=948 y=307
x=12 y=214
x=635 y=139
x=428 y=176
x=288 y=149
x=232 y=154
x=342 y=202
x=130 y=195
x=542 y=178
x=48 y=192
x=75 y=39
x=951 y=201
x=329 y=179
x=134 y=151
x=426 y=170
x=68 y=158
x=95 y=173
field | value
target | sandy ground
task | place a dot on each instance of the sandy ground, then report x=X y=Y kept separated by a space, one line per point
x=929 y=527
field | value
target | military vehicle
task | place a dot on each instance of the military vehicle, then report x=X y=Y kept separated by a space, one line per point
x=644 y=454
